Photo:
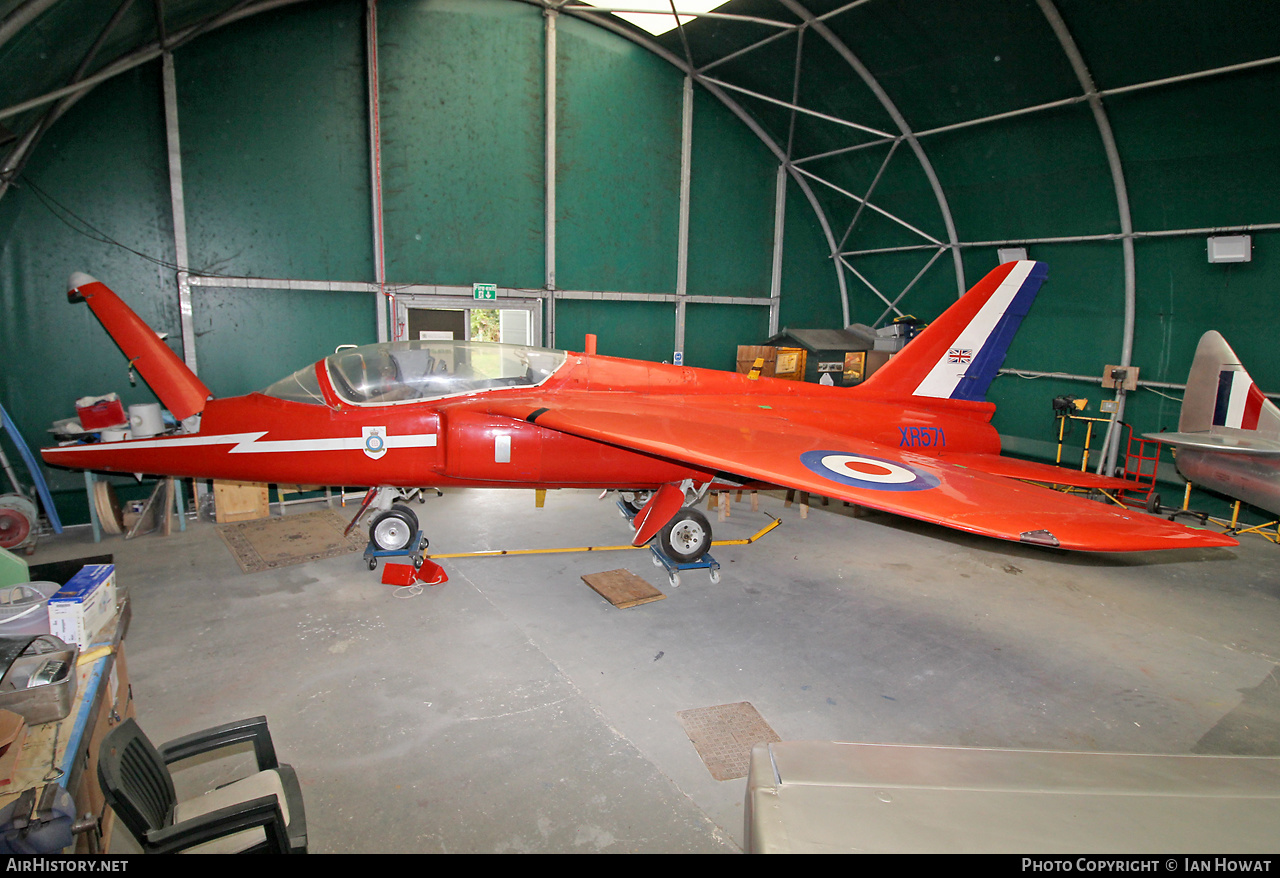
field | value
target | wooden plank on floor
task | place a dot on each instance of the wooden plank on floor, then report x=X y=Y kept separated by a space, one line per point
x=622 y=588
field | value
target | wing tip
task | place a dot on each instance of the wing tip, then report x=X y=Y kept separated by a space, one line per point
x=1189 y=538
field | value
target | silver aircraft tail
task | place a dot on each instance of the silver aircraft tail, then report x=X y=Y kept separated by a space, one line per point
x=1228 y=437
x=1222 y=399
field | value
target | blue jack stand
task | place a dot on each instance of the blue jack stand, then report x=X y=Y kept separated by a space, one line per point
x=413 y=551
x=674 y=568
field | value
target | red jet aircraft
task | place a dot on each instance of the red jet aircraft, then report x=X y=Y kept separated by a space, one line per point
x=914 y=439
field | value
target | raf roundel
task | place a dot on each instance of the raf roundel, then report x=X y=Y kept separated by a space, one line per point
x=870 y=473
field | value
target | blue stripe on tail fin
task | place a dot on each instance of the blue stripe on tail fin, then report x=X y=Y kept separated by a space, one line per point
x=990 y=357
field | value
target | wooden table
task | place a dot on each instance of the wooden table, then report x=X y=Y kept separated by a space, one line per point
x=66 y=751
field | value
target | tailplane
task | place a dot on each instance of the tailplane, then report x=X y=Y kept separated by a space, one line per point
x=957 y=356
x=1221 y=397
x=178 y=388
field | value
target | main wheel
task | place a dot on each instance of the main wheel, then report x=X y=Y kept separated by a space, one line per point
x=393 y=530
x=687 y=537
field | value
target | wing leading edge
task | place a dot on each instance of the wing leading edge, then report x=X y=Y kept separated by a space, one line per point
x=724 y=438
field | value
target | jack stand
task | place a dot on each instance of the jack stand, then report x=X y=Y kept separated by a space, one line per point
x=413 y=551
x=674 y=568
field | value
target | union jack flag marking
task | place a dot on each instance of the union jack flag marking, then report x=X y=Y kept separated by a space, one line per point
x=959 y=355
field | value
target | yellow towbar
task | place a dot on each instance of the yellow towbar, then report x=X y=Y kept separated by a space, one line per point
x=751 y=539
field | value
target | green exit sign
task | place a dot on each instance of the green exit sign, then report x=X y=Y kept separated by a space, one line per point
x=484 y=292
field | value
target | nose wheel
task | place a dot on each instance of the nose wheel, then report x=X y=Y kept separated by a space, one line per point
x=394 y=532
x=393 y=529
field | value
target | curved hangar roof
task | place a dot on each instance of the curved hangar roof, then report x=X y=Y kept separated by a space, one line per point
x=897 y=120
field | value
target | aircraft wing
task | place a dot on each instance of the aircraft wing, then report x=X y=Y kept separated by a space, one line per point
x=1034 y=471
x=1238 y=442
x=736 y=437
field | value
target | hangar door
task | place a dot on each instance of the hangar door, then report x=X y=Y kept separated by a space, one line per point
x=512 y=321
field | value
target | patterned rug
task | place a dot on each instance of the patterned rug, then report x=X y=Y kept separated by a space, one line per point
x=268 y=543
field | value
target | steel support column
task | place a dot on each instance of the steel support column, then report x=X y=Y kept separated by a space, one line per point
x=1111 y=443
x=375 y=165
x=682 y=242
x=177 y=201
x=779 y=229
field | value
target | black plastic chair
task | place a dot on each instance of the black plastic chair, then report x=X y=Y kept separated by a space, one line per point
x=260 y=813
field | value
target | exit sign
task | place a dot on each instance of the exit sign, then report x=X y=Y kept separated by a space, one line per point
x=484 y=292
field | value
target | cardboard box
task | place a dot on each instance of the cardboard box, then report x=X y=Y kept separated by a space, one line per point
x=87 y=602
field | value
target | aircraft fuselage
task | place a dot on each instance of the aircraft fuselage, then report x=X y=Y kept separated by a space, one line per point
x=262 y=438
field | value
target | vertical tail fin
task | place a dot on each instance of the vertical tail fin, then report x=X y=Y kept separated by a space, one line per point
x=178 y=388
x=957 y=356
x=1221 y=396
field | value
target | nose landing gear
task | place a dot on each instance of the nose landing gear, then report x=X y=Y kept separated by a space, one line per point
x=394 y=531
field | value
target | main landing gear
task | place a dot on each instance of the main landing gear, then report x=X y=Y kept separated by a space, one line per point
x=681 y=544
x=687 y=537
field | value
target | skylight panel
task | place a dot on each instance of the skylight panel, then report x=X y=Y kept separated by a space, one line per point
x=655 y=16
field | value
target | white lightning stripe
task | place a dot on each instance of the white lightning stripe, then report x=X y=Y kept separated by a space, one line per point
x=247 y=443
x=346 y=443
x=943 y=377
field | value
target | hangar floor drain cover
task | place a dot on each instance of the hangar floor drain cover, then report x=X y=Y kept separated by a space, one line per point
x=724 y=735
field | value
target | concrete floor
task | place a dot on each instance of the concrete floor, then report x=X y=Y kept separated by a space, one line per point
x=512 y=709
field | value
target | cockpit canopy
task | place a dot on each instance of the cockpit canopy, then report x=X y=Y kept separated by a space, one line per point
x=401 y=371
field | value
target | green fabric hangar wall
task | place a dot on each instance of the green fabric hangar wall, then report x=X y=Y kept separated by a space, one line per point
x=1196 y=154
x=116 y=174
x=276 y=172
x=273 y=118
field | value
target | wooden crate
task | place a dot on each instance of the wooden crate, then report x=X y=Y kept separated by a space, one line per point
x=240 y=501
x=748 y=354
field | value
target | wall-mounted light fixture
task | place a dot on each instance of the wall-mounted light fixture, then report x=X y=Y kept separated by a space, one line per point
x=1230 y=248
x=1011 y=254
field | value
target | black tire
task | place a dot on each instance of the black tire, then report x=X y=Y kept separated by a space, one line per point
x=392 y=530
x=409 y=513
x=686 y=537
